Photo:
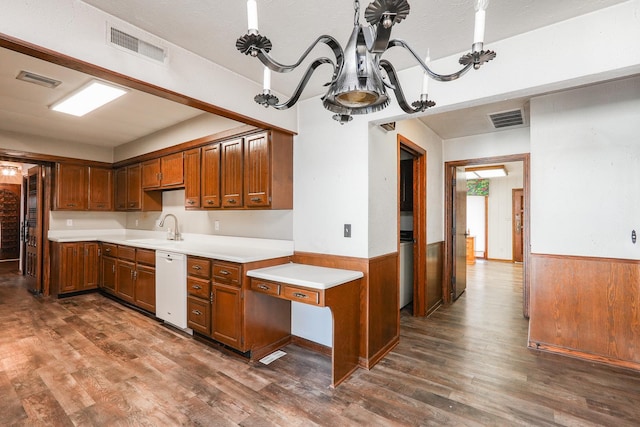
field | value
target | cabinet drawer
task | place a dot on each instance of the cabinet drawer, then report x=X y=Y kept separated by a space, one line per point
x=199 y=315
x=198 y=287
x=304 y=295
x=265 y=287
x=146 y=256
x=109 y=249
x=226 y=273
x=127 y=252
x=200 y=267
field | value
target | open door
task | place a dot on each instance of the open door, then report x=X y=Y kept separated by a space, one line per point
x=518 y=224
x=33 y=225
x=459 y=204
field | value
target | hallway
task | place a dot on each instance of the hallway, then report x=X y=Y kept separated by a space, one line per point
x=87 y=360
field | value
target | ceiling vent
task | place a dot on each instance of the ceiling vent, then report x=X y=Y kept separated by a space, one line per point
x=507 y=119
x=136 y=45
x=388 y=126
x=34 y=78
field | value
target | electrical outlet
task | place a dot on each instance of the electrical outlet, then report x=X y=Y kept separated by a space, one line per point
x=69 y=223
x=347 y=230
x=136 y=222
x=216 y=225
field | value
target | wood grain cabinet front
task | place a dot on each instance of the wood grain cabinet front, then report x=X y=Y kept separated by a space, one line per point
x=163 y=172
x=75 y=266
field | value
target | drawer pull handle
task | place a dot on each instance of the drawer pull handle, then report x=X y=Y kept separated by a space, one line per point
x=196 y=312
x=264 y=287
x=232 y=201
x=108 y=250
x=256 y=199
x=209 y=202
x=224 y=272
x=197 y=287
x=71 y=205
x=300 y=295
x=191 y=202
x=197 y=267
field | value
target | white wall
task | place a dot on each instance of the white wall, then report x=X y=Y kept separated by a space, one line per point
x=54 y=147
x=197 y=127
x=500 y=213
x=502 y=143
x=585 y=163
x=87 y=220
x=476 y=222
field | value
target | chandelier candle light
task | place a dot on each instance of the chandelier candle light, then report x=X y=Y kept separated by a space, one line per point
x=360 y=76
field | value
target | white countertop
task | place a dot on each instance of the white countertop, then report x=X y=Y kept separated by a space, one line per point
x=309 y=276
x=224 y=248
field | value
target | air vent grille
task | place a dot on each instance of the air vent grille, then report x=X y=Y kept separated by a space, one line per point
x=506 y=119
x=134 y=44
x=34 y=78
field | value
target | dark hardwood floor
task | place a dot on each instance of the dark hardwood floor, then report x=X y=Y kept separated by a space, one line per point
x=87 y=360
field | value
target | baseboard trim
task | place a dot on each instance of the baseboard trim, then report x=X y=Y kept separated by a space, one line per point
x=312 y=345
x=373 y=360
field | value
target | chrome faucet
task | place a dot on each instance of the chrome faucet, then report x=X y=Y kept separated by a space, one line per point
x=175 y=235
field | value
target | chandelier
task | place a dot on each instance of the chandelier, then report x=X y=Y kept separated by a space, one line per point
x=361 y=76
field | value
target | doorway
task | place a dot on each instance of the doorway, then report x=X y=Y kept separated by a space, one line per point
x=453 y=257
x=412 y=224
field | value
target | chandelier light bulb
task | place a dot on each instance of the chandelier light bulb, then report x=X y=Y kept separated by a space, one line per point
x=481 y=8
x=425 y=77
x=266 y=80
x=252 y=16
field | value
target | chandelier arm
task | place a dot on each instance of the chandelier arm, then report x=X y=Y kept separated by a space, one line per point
x=397 y=88
x=303 y=83
x=435 y=76
x=268 y=61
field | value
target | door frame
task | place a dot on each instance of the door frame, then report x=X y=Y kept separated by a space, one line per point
x=449 y=174
x=419 y=222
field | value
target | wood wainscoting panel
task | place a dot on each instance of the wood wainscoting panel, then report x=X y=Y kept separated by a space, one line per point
x=586 y=307
x=379 y=314
x=435 y=269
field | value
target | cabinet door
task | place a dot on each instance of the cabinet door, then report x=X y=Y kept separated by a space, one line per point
x=151 y=174
x=257 y=171
x=121 y=189
x=134 y=187
x=125 y=286
x=70 y=267
x=145 y=284
x=211 y=176
x=199 y=314
x=231 y=160
x=100 y=189
x=192 y=178
x=109 y=274
x=91 y=265
x=71 y=187
x=226 y=312
x=172 y=170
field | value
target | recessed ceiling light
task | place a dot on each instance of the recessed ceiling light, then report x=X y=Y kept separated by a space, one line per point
x=486 y=172
x=88 y=98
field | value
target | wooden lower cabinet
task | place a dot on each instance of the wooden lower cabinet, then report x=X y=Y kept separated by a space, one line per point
x=129 y=274
x=226 y=315
x=75 y=266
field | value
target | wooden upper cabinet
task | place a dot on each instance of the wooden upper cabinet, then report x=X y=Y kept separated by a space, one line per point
x=232 y=173
x=129 y=195
x=71 y=191
x=100 y=189
x=164 y=172
x=192 y=178
x=134 y=187
x=210 y=176
x=257 y=171
x=151 y=174
x=121 y=189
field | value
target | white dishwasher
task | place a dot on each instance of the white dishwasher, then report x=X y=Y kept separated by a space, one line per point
x=171 y=288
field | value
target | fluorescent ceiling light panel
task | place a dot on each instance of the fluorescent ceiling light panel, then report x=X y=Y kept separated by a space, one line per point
x=486 y=172
x=88 y=98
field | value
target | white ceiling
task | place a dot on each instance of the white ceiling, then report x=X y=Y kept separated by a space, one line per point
x=210 y=28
